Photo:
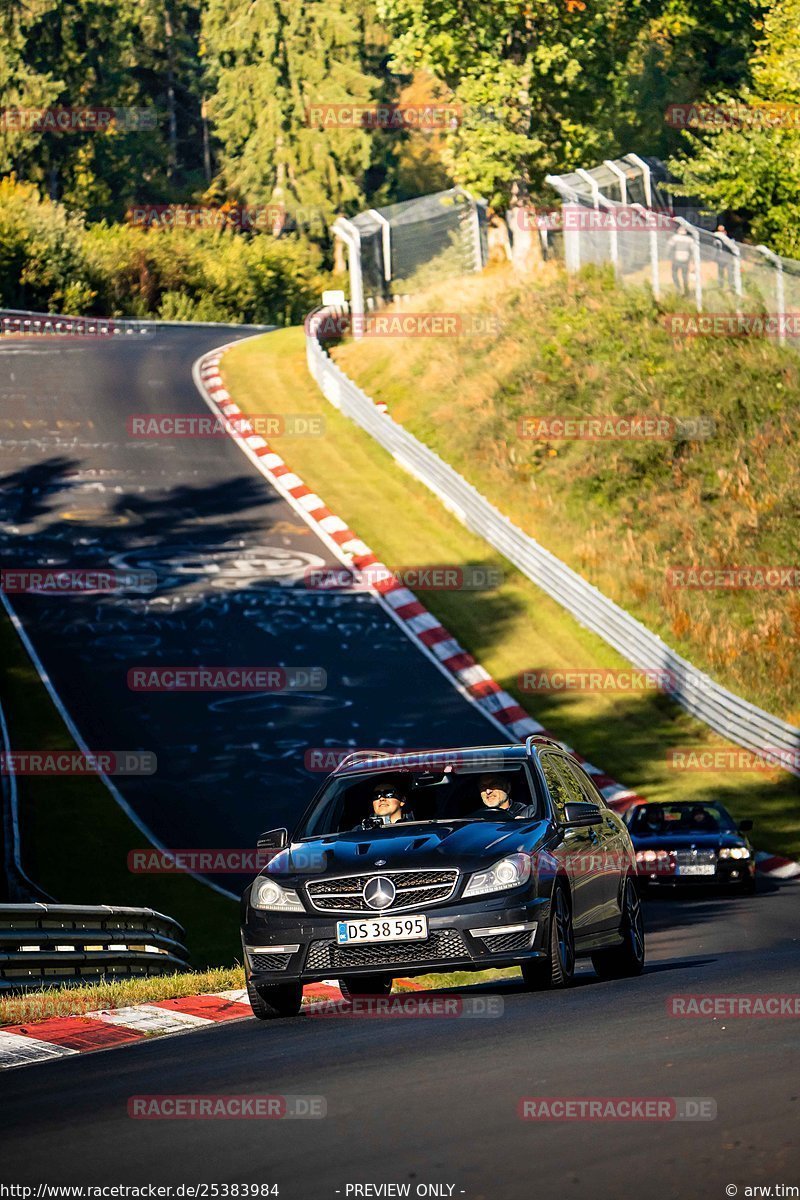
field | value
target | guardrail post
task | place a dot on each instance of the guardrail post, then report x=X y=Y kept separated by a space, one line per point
x=780 y=291
x=386 y=242
x=613 y=243
x=621 y=176
x=646 y=177
x=349 y=234
x=698 y=282
x=652 y=238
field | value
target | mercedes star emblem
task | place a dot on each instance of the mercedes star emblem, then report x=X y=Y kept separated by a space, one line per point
x=378 y=892
x=380 y=862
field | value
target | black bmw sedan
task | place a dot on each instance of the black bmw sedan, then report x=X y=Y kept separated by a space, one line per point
x=445 y=860
x=691 y=843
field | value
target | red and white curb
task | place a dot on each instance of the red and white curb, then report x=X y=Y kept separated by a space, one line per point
x=61 y=1037
x=421 y=626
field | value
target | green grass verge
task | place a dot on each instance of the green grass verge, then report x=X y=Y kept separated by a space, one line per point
x=73 y=1001
x=509 y=629
x=75 y=837
x=621 y=512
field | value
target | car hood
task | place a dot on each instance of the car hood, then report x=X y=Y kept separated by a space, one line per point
x=685 y=841
x=468 y=845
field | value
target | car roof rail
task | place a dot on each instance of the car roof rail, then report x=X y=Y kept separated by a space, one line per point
x=540 y=739
x=357 y=755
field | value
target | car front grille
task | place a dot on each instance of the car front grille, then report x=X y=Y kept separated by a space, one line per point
x=414 y=889
x=698 y=858
x=269 y=962
x=509 y=943
x=441 y=946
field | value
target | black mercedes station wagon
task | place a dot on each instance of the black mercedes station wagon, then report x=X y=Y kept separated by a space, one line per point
x=443 y=860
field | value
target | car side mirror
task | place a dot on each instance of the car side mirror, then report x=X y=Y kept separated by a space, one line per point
x=273 y=839
x=582 y=812
x=746 y=825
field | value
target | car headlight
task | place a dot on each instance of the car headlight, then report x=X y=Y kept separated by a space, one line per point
x=508 y=873
x=734 y=852
x=656 y=861
x=267 y=894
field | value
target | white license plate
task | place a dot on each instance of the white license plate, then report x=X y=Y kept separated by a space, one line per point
x=697 y=869
x=385 y=929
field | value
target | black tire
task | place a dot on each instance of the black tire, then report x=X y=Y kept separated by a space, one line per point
x=558 y=969
x=622 y=962
x=353 y=986
x=277 y=1000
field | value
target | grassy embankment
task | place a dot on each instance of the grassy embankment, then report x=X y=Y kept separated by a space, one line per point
x=516 y=626
x=622 y=512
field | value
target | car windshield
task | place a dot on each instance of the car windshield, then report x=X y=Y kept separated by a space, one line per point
x=654 y=820
x=395 y=799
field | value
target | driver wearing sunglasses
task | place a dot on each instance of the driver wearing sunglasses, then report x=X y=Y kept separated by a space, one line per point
x=388 y=802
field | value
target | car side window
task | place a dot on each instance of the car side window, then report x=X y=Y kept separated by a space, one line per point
x=561 y=786
x=590 y=792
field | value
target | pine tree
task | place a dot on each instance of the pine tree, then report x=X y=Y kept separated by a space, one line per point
x=269 y=63
x=141 y=55
x=21 y=86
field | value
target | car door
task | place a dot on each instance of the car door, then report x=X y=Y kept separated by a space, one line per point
x=577 y=847
x=608 y=846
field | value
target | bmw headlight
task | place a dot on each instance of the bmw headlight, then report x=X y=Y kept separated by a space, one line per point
x=267 y=894
x=734 y=852
x=508 y=873
x=655 y=862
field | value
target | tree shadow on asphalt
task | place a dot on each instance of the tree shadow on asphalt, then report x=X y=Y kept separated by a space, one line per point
x=219 y=552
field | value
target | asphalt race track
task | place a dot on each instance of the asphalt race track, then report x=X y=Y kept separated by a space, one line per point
x=434 y=1100
x=78 y=490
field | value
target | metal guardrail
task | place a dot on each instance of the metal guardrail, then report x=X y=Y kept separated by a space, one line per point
x=722 y=710
x=22 y=322
x=46 y=944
